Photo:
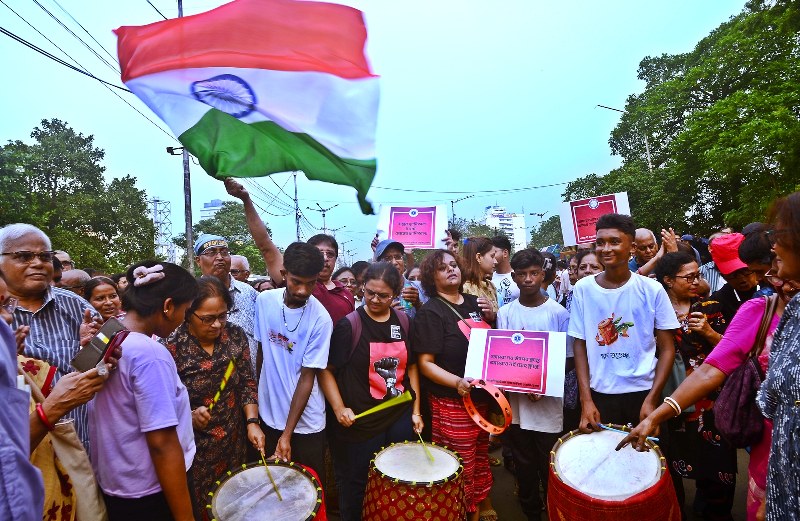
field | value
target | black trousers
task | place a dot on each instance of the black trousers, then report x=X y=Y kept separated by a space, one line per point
x=307 y=449
x=152 y=508
x=531 y=453
x=620 y=408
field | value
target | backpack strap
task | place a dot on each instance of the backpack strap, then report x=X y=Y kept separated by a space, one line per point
x=356 y=326
x=771 y=304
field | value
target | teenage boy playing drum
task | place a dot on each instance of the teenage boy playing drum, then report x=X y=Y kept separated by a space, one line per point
x=537 y=419
x=294 y=332
x=621 y=365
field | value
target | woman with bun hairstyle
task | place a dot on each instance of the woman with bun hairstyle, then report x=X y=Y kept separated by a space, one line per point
x=141 y=422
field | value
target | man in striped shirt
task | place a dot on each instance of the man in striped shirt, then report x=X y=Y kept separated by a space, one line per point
x=55 y=316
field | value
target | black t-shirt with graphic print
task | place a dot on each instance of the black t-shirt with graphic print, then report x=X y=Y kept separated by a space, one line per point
x=376 y=371
x=436 y=332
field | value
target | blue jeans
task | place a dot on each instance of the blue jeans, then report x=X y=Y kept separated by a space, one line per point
x=351 y=464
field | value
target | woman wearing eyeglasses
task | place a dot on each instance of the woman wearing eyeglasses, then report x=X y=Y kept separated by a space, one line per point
x=731 y=351
x=203 y=347
x=364 y=372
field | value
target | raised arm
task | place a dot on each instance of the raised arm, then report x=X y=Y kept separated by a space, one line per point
x=273 y=257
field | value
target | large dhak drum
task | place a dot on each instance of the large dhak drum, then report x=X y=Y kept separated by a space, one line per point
x=247 y=494
x=589 y=479
x=404 y=484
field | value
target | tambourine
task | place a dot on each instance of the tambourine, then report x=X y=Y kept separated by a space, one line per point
x=499 y=397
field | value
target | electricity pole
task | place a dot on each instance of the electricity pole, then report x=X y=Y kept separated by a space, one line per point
x=296 y=209
x=453 y=209
x=644 y=135
x=323 y=211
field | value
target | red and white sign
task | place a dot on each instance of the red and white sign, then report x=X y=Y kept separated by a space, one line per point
x=578 y=218
x=519 y=361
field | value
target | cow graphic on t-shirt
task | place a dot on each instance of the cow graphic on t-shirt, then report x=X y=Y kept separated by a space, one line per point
x=387 y=369
x=610 y=329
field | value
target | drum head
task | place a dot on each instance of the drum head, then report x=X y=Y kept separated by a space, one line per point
x=588 y=463
x=248 y=494
x=409 y=463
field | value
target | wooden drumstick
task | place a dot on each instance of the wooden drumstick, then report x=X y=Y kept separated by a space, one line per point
x=274 y=485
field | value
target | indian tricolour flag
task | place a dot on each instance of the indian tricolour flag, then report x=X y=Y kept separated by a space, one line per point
x=262 y=86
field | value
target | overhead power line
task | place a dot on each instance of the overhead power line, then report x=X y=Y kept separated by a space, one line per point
x=56 y=58
x=501 y=191
x=113 y=58
x=89 y=47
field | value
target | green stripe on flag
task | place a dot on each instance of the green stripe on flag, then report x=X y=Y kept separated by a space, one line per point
x=227 y=147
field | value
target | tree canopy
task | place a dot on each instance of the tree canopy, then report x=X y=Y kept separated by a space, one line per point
x=547 y=233
x=722 y=123
x=57 y=184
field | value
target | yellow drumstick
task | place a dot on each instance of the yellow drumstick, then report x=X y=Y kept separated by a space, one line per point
x=228 y=372
x=274 y=485
x=397 y=400
x=427 y=451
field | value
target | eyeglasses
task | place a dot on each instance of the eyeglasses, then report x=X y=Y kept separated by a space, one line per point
x=348 y=282
x=213 y=252
x=691 y=278
x=738 y=274
x=774 y=234
x=396 y=257
x=209 y=320
x=382 y=297
x=26 y=257
x=236 y=272
x=329 y=254
x=10 y=304
x=774 y=279
x=68 y=263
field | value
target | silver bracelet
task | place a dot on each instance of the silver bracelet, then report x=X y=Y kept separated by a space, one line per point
x=669 y=400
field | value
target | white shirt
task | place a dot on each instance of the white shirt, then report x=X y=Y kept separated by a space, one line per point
x=507 y=290
x=546 y=414
x=243 y=313
x=618 y=327
x=286 y=353
x=565 y=286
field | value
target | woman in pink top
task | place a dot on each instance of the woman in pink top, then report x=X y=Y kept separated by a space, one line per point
x=729 y=354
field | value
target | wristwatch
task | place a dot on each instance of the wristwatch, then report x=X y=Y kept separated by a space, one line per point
x=254 y=420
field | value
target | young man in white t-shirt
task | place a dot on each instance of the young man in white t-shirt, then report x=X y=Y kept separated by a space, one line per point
x=537 y=420
x=621 y=364
x=507 y=290
x=294 y=332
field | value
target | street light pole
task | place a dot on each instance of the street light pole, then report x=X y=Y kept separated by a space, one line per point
x=644 y=135
x=323 y=211
x=453 y=209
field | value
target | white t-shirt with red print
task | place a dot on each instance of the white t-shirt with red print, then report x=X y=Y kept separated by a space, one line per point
x=619 y=326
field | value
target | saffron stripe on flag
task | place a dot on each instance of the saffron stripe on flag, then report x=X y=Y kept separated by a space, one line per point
x=286 y=35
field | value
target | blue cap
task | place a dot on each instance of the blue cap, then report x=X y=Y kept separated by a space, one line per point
x=207 y=240
x=385 y=244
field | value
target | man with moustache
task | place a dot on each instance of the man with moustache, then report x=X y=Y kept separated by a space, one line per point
x=333 y=295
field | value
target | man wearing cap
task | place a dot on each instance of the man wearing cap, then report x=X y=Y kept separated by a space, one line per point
x=741 y=282
x=412 y=296
x=214 y=258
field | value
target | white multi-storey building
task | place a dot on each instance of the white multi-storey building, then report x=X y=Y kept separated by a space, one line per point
x=511 y=224
x=210 y=209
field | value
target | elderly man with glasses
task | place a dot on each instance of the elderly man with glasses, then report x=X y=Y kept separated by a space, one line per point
x=57 y=318
x=214 y=258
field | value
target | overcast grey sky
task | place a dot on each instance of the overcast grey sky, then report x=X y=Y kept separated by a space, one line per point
x=475 y=96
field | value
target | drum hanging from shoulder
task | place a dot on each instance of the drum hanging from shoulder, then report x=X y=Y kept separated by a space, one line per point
x=404 y=484
x=246 y=494
x=588 y=476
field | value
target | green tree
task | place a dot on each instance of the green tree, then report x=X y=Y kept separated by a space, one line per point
x=57 y=184
x=547 y=233
x=722 y=123
x=230 y=222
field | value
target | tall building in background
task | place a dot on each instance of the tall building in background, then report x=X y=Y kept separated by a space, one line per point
x=210 y=209
x=511 y=224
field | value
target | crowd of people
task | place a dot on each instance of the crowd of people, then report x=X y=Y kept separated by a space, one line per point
x=215 y=372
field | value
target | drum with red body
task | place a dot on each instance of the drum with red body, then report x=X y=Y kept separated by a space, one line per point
x=591 y=480
x=404 y=484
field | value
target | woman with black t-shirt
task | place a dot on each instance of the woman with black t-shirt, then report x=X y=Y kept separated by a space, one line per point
x=440 y=340
x=361 y=374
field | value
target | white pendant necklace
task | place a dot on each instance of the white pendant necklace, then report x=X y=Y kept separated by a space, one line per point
x=283 y=314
